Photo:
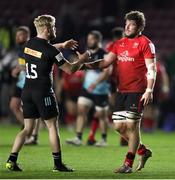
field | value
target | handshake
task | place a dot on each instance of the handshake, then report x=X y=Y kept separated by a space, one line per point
x=72 y=44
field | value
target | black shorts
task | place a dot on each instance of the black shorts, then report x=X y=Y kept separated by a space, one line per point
x=70 y=97
x=16 y=92
x=99 y=101
x=129 y=102
x=38 y=104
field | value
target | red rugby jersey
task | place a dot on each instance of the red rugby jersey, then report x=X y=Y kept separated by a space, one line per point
x=109 y=46
x=113 y=77
x=130 y=67
x=73 y=83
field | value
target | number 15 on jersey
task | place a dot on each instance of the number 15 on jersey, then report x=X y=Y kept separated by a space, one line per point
x=31 y=72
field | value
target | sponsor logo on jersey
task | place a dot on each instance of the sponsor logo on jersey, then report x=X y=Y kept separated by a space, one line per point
x=135 y=45
x=122 y=44
x=21 y=61
x=32 y=52
x=124 y=57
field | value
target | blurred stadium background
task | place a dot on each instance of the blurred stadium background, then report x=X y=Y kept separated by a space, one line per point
x=74 y=20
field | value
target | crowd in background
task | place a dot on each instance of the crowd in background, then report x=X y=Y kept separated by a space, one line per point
x=74 y=20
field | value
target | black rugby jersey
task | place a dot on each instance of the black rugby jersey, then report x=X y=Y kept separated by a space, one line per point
x=40 y=56
x=99 y=54
x=21 y=58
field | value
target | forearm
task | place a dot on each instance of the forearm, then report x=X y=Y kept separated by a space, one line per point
x=59 y=45
x=103 y=76
x=75 y=66
x=99 y=64
x=150 y=85
x=151 y=74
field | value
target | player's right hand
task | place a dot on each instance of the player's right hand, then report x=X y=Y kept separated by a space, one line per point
x=147 y=97
x=92 y=87
x=15 y=72
x=85 y=57
x=70 y=44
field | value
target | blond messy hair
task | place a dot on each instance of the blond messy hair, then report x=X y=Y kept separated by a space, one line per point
x=44 y=21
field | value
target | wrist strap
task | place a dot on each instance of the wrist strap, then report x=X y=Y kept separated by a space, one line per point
x=149 y=90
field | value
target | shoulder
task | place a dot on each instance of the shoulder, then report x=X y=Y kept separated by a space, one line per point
x=120 y=42
x=101 y=51
x=29 y=41
x=33 y=42
x=144 y=39
x=146 y=43
x=53 y=51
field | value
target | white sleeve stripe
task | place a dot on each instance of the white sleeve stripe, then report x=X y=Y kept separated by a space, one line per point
x=152 y=47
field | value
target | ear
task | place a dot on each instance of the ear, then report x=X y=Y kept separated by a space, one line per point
x=140 y=30
x=45 y=29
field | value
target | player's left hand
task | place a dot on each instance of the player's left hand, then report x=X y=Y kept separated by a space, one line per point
x=147 y=97
x=70 y=44
x=92 y=87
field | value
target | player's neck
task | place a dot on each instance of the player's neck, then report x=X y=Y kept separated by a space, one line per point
x=94 y=50
x=135 y=36
x=42 y=36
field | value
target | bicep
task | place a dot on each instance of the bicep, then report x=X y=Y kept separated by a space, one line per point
x=59 y=59
x=150 y=63
x=109 y=59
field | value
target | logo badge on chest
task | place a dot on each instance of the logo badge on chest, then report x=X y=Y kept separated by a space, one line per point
x=135 y=45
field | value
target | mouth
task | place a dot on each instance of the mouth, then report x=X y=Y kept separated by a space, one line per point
x=127 y=32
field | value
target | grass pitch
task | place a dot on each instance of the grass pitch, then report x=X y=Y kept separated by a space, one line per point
x=89 y=162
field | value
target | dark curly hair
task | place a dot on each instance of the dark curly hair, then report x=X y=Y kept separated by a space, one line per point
x=138 y=17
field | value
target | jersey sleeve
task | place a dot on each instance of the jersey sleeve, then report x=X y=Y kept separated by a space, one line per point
x=148 y=50
x=114 y=48
x=58 y=57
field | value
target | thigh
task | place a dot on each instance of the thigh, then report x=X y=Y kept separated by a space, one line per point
x=119 y=115
x=101 y=104
x=46 y=104
x=71 y=106
x=134 y=108
x=85 y=99
x=51 y=122
x=16 y=92
x=133 y=102
x=29 y=107
x=15 y=102
x=29 y=123
x=120 y=102
x=133 y=125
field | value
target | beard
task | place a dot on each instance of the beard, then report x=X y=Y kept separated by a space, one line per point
x=21 y=43
x=131 y=35
x=93 y=47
